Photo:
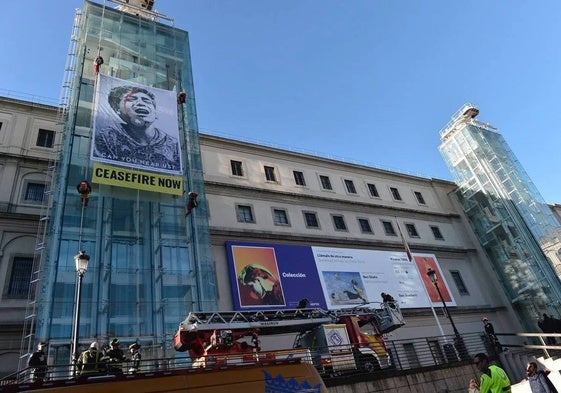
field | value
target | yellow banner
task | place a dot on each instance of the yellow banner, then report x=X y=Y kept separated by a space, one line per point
x=130 y=178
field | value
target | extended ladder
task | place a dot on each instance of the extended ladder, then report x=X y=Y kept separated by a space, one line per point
x=387 y=318
x=268 y=322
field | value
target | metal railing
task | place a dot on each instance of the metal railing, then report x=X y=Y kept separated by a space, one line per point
x=405 y=355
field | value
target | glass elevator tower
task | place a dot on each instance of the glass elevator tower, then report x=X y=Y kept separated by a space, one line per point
x=506 y=211
x=150 y=262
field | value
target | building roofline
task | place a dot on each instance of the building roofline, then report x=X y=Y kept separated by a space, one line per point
x=320 y=157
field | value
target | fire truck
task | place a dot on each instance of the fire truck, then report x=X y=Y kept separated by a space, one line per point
x=332 y=340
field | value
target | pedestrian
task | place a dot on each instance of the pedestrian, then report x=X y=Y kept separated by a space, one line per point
x=473 y=386
x=114 y=357
x=136 y=357
x=493 y=378
x=539 y=382
x=490 y=332
x=90 y=362
x=38 y=363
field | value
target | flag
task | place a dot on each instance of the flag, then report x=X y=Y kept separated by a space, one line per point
x=405 y=245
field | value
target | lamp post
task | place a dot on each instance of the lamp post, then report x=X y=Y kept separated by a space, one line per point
x=458 y=339
x=81 y=259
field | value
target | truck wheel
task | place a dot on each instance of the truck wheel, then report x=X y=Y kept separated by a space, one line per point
x=369 y=363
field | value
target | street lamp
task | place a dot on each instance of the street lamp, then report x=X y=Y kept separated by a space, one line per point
x=458 y=339
x=81 y=259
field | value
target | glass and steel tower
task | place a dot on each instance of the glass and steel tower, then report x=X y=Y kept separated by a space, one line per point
x=150 y=262
x=506 y=211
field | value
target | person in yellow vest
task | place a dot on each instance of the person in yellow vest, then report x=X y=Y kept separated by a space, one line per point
x=493 y=378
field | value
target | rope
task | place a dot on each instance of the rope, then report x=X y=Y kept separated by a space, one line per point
x=101 y=28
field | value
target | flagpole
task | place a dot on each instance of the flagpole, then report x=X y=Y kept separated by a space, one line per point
x=410 y=258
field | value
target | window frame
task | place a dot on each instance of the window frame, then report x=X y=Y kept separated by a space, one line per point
x=350 y=186
x=412 y=231
x=396 y=195
x=326 y=182
x=25 y=192
x=306 y=223
x=420 y=198
x=251 y=211
x=299 y=178
x=274 y=211
x=47 y=137
x=459 y=282
x=234 y=168
x=10 y=284
x=435 y=229
x=362 y=220
x=339 y=219
x=376 y=193
x=270 y=173
x=388 y=224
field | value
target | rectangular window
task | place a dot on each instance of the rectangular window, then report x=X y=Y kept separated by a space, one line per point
x=395 y=193
x=325 y=182
x=20 y=278
x=411 y=230
x=1 y=125
x=350 y=186
x=420 y=198
x=364 y=225
x=45 y=138
x=270 y=173
x=311 y=220
x=299 y=178
x=280 y=217
x=373 y=190
x=388 y=228
x=35 y=192
x=237 y=169
x=244 y=213
x=436 y=232
x=458 y=280
x=339 y=223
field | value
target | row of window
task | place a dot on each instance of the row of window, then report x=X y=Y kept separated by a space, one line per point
x=244 y=213
x=325 y=182
x=45 y=138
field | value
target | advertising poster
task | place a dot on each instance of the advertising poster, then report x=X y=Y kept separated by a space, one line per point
x=425 y=262
x=135 y=126
x=273 y=276
x=279 y=276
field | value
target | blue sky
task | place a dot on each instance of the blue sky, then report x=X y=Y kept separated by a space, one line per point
x=365 y=80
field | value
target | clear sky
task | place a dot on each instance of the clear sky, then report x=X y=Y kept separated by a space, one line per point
x=371 y=81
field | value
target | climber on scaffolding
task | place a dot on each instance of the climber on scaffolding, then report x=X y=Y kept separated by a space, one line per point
x=84 y=189
x=97 y=64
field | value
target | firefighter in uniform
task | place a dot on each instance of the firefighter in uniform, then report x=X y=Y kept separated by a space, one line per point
x=90 y=362
x=114 y=358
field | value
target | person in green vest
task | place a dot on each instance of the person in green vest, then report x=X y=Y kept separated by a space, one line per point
x=493 y=378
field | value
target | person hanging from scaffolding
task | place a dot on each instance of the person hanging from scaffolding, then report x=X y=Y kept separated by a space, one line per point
x=181 y=97
x=97 y=64
x=84 y=189
x=192 y=203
